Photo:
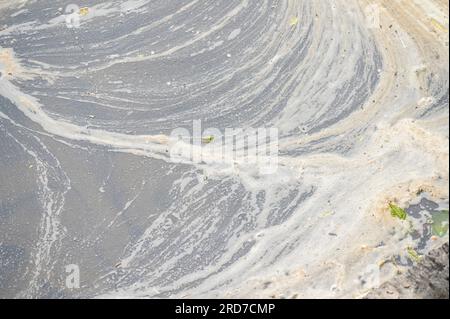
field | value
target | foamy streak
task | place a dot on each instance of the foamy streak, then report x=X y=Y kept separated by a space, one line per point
x=395 y=144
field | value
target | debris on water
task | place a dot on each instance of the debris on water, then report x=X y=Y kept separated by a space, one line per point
x=327 y=214
x=383 y=262
x=293 y=21
x=440 y=223
x=438 y=25
x=413 y=255
x=84 y=11
x=332 y=234
x=398 y=212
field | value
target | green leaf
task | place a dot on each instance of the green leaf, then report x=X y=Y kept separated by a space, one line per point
x=398 y=212
x=208 y=139
x=439 y=226
x=413 y=255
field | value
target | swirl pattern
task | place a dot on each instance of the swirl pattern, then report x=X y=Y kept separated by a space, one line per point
x=86 y=115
